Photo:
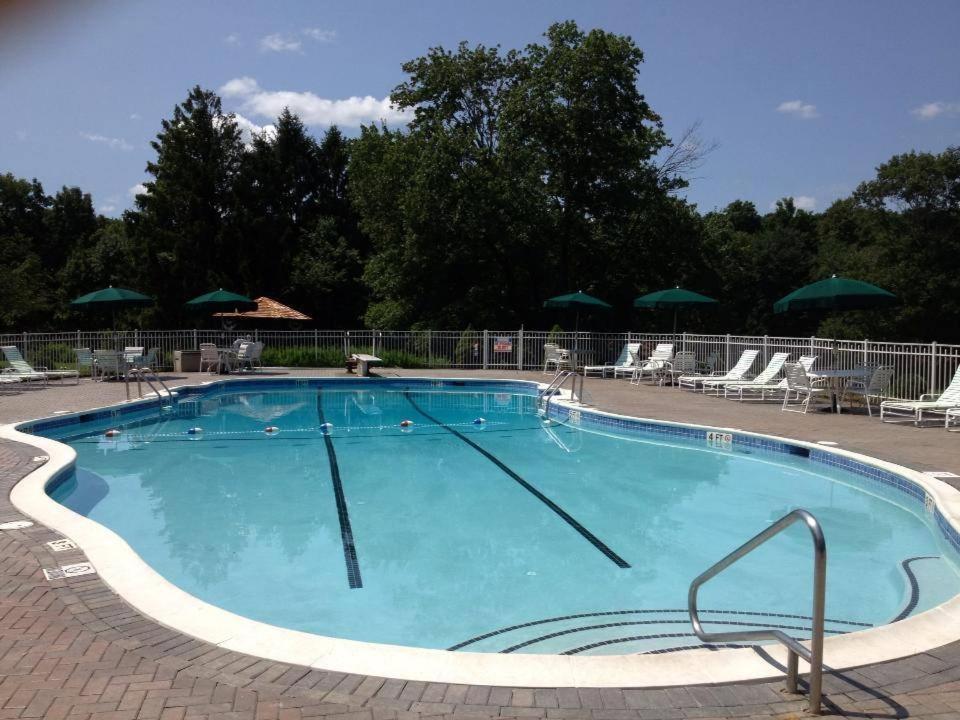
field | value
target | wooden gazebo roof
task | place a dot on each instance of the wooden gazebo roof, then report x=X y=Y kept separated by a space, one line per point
x=268 y=309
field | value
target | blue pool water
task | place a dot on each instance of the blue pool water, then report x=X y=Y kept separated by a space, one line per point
x=506 y=535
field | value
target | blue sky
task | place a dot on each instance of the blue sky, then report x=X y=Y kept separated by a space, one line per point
x=804 y=98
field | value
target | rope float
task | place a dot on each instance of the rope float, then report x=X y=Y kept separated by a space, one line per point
x=271 y=430
x=113 y=432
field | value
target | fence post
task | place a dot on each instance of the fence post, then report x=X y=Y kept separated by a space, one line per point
x=766 y=352
x=813 y=342
x=430 y=349
x=316 y=344
x=932 y=387
x=373 y=342
x=196 y=344
x=520 y=349
x=727 y=352
x=486 y=348
x=866 y=352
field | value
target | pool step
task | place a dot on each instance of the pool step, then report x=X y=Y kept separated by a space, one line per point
x=620 y=632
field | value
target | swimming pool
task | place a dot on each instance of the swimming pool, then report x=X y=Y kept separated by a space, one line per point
x=481 y=527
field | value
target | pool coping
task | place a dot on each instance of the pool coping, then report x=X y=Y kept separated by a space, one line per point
x=141 y=586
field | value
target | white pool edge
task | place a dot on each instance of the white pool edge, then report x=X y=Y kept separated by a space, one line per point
x=140 y=585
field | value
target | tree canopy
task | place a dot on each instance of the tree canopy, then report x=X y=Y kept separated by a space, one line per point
x=523 y=174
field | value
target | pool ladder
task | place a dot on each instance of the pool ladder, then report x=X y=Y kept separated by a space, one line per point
x=544 y=395
x=813 y=655
x=145 y=374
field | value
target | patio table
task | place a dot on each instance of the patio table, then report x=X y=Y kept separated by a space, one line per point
x=838 y=379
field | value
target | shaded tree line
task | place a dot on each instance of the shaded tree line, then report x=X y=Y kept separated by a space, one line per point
x=522 y=174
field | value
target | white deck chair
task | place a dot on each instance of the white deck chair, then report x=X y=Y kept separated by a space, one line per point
x=736 y=373
x=875 y=386
x=654 y=365
x=20 y=367
x=762 y=382
x=209 y=357
x=930 y=403
x=801 y=389
x=683 y=363
x=625 y=362
x=554 y=355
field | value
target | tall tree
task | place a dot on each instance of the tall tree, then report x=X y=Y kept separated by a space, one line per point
x=182 y=225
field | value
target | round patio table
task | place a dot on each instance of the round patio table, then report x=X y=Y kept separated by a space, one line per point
x=838 y=379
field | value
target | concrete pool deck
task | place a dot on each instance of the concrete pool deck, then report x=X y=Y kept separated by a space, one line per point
x=921 y=685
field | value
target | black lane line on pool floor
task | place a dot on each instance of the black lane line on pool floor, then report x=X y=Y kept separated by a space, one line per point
x=343 y=514
x=914 y=586
x=569 y=519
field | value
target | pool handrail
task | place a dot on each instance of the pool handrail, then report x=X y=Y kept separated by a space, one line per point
x=813 y=655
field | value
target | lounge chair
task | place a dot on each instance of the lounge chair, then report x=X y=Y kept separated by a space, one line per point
x=554 y=355
x=801 y=389
x=763 y=382
x=21 y=367
x=876 y=386
x=750 y=389
x=930 y=403
x=626 y=362
x=654 y=365
x=717 y=379
x=249 y=355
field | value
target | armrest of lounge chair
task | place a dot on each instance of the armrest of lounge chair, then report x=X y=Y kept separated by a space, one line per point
x=927 y=397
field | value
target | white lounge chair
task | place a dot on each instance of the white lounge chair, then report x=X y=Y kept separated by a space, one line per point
x=555 y=356
x=773 y=390
x=929 y=403
x=625 y=362
x=762 y=383
x=654 y=365
x=249 y=355
x=20 y=367
x=875 y=386
x=734 y=374
x=801 y=389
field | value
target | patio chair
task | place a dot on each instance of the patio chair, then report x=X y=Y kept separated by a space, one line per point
x=107 y=363
x=133 y=354
x=19 y=366
x=801 y=389
x=249 y=355
x=626 y=362
x=683 y=362
x=209 y=357
x=875 y=386
x=85 y=361
x=717 y=379
x=949 y=399
x=554 y=355
x=654 y=365
x=762 y=383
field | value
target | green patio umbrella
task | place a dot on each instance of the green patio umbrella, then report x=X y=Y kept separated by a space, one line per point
x=112 y=299
x=836 y=293
x=673 y=298
x=576 y=301
x=222 y=301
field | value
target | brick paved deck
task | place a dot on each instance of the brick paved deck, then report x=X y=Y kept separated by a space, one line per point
x=73 y=649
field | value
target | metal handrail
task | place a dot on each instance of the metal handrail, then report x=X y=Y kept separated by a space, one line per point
x=557 y=383
x=144 y=373
x=813 y=655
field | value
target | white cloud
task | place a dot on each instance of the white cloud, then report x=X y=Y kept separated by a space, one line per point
x=798 y=108
x=110 y=142
x=312 y=109
x=107 y=209
x=930 y=110
x=138 y=189
x=320 y=35
x=800 y=202
x=134 y=116
x=280 y=43
x=248 y=128
x=232 y=39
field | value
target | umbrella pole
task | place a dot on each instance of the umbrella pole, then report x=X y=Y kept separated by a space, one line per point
x=674 y=321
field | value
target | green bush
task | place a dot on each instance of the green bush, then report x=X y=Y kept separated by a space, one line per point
x=334 y=357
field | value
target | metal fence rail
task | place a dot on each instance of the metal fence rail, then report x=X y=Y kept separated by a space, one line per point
x=918 y=367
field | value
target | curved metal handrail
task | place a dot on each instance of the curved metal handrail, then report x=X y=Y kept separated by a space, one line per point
x=813 y=655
